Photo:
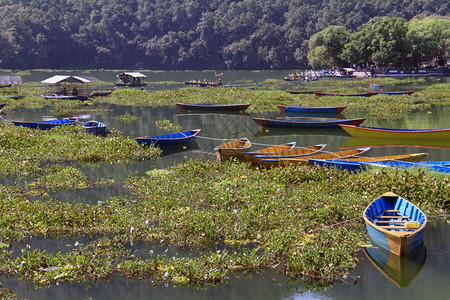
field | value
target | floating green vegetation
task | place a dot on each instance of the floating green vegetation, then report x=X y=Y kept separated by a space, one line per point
x=128 y=118
x=305 y=221
x=272 y=81
x=164 y=82
x=167 y=125
x=23 y=150
x=383 y=106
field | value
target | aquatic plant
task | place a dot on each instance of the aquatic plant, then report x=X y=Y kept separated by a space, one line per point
x=167 y=125
x=127 y=118
x=23 y=150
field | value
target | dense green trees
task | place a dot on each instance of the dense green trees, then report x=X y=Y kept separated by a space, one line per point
x=385 y=41
x=326 y=47
x=199 y=34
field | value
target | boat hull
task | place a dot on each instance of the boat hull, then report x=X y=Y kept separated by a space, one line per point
x=301 y=161
x=413 y=157
x=249 y=156
x=277 y=123
x=232 y=149
x=368 y=94
x=306 y=109
x=95 y=127
x=293 y=153
x=46 y=125
x=398 y=239
x=213 y=107
x=170 y=140
x=388 y=133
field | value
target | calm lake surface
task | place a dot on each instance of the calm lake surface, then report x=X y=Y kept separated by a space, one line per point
x=431 y=275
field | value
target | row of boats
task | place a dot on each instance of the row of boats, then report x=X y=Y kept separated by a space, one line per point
x=95 y=127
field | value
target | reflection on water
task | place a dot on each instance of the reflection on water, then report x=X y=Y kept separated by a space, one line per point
x=401 y=270
x=430 y=278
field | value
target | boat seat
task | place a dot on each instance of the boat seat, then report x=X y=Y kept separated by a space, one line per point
x=397 y=227
x=392 y=217
x=393 y=221
x=391 y=211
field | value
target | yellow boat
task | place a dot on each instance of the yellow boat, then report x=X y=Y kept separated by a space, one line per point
x=382 y=142
x=293 y=153
x=285 y=161
x=232 y=149
x=390 y=133
x=413 y=157
x=274 y=149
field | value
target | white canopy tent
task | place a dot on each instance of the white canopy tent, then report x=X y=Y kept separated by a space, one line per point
x=68 y=85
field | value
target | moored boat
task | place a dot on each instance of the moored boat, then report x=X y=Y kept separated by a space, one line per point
x=308 y=109
x=130 y=80
x=286 y=161
x=273 y=149
x=170 y=140
x=367 y=94
x=395 y=224
x=66 y=97
x=95 y=127
x=352 y=166
x=279 y=123
x=412 y=157
x=378 y=132
x=441 y=167
x=394 y=93
x=48 y=124
x=293 y=153
x=232 y=149
x=213 y=107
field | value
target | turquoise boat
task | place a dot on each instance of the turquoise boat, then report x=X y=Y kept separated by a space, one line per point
x=395 y=224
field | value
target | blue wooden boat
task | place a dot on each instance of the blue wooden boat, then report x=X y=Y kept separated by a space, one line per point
x=441 y=167
x=170 y=140
x=95 y=127
x=49 y=124
x=283 y=123
x=352 y=166
x=66 y=97
x=394 y=93
x=309 y=109
x=395 y=224
x=213 y=107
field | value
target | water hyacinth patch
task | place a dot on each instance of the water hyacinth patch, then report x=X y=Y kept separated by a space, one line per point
x=304 y=221
x=23 y=150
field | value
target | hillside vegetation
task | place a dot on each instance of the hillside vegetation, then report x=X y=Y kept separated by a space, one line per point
x=175 y=34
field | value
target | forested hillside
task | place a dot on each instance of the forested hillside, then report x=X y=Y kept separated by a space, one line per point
x=176 y=34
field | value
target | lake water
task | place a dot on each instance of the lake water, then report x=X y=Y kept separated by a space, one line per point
x=433 y=278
